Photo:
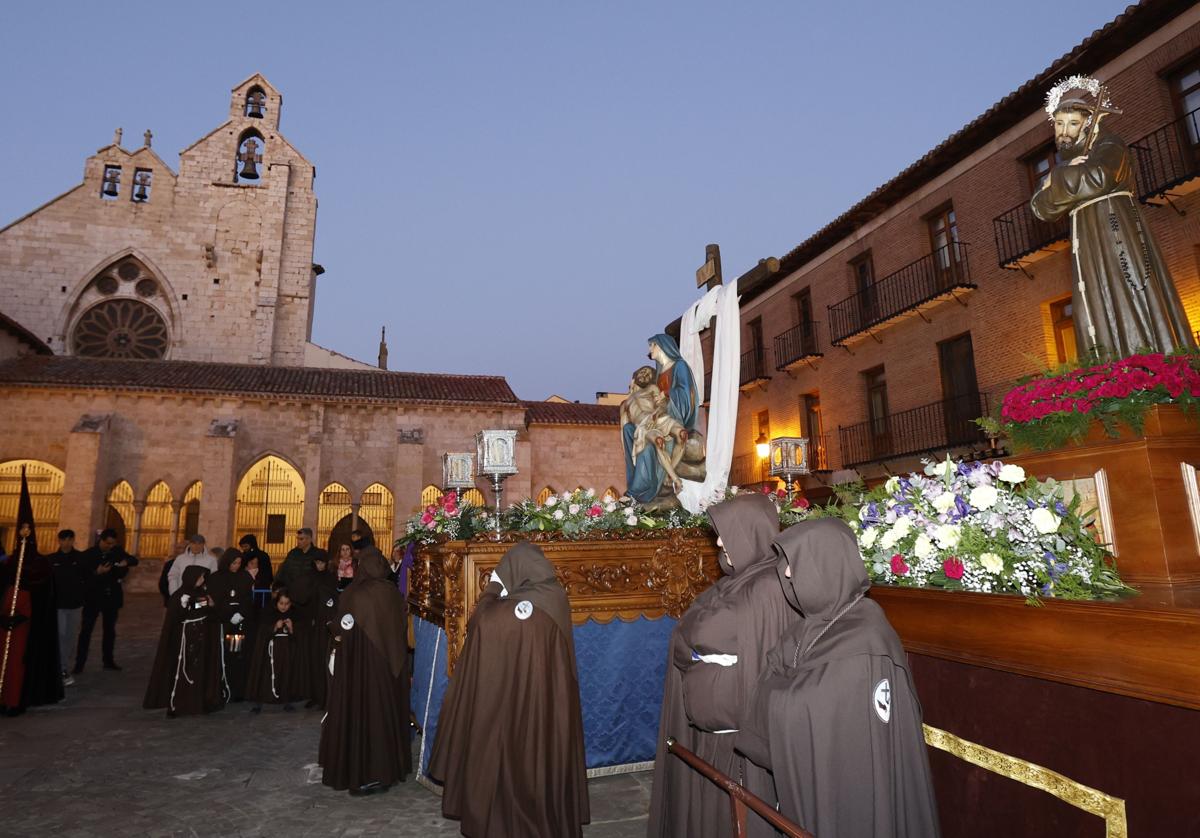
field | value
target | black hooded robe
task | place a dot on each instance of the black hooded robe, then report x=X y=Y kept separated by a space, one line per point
x=835 y=715
x=188 y=675
x=509 y=747
x=34 y=674
x=279 y=666
x=233 y=607
x=365 y=737
x=743 y=615
x=315 y=595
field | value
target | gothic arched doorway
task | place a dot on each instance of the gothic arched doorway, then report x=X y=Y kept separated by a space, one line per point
x=341 y=534
x=270 y=504
x=45 y=491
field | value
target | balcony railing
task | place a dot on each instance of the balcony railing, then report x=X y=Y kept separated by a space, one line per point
x=818 y=453
x=797 y=345
x=945 y=424
x=1021 y=235
x=754 y=368
x=748 y=469
x=928 y=279
x=1168 y=159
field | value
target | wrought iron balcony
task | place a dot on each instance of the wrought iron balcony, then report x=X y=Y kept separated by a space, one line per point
x=1022 y=237
x=1168 y=160
x=796 y=346
x=748 y=469
x=940 y=425
x=914 y=287
x=754 y=368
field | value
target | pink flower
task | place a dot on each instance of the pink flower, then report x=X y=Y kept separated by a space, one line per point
x=953 y=568
x=898 y=566
x=595 y=511
x=799 y=502
x=427 y=518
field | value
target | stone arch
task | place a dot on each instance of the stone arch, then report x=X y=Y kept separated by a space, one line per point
x=45 y=491
x=157 y=521
x=611 y=493
x=430 y=494
x=189 y=511
x=119 y=512
x=123 y=309
x=545 y=495
x=333 y=504
x=474 y=497
x=167 y=300
x=270 y=504
x=249 y=157
x=377 y=509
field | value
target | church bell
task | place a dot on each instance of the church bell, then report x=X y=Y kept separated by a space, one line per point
x=249 y=169
x=139 y=193
x=254 y=105
x=110 y=184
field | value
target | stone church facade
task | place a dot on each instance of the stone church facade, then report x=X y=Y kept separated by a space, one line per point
x=160 y=375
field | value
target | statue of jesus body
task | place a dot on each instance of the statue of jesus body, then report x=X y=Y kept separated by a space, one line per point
x=645 y=409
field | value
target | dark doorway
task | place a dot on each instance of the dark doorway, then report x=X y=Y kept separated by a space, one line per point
x=114 y=521
x=340 y=534
x=960 y=389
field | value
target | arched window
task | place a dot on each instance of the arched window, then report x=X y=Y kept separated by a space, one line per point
x=189 y=523
x=332 y=507
x=45 y=491
x=474 y=497
x=270 y=504
x=611 y=493
x=121 y=313
x=377 y=510
x=119 y=514
x=545 y=494
x=248 y=160
x=155 y=541
x=256 y=103
x=430 y=494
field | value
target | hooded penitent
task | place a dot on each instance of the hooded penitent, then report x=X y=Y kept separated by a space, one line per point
x=835 y=715
x=233 y=607
x=717 y=652
x=365 y=735
x=279 y=671
x=33 y=673
x=509 y=745
x=315 y=595
x=188 y=673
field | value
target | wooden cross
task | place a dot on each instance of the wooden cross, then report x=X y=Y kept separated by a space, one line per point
x=708 y=275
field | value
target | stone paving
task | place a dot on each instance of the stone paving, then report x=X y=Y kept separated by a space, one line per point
x=99 y=765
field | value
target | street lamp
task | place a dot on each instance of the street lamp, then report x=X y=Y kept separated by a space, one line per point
x=762 y=446
x=789 y=459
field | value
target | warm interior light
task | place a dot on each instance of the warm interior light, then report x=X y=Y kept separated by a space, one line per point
x=762 y=446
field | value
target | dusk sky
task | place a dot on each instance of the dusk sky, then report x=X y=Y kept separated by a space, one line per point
x=526 y=189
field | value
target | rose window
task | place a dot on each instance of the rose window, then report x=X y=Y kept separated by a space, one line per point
x=121 y=328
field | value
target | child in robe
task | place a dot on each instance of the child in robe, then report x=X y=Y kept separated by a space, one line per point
x=188 y=673
x=279 y=668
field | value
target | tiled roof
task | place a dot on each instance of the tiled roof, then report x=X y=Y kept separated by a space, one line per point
x=1106 y=43
x=570 y=413
x=22 y=334
x=246 y=379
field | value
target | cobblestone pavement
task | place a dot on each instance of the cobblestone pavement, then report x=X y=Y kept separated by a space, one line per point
x=99 y=765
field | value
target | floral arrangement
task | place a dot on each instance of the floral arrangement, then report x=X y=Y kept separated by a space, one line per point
x=983 y=527
x=1051 y=410
x=449 y=519
x=582 y=514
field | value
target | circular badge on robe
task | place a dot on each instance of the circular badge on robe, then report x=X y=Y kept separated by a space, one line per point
x=882 y=700
x=524 y=609
x=329 y=603
x=347 y=622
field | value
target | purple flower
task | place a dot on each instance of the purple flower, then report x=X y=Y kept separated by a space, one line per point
x=962 y=507
x=1060 y=508
x=1029 y=503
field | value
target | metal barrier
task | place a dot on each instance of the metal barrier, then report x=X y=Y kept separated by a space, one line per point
x=739 y=798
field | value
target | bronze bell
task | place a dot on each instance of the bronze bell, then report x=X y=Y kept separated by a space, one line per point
x=254 y=105
x=249 y=169
x=250 y=159
x=111 y=179
x=139 y=192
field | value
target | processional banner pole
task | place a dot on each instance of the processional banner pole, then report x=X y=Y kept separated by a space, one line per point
x=12 y=610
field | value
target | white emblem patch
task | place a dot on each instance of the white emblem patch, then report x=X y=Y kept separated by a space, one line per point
x=524 y=609
x=882 y=700
x=348 y=622
x=329 y=603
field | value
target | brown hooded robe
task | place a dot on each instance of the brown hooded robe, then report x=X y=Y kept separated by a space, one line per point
x=279 y=671
x=835 y=715
x=509 y=744
x=232 y=597
x=365 y=735
x=188 y=676
x=742 y=615
x=1128 y=295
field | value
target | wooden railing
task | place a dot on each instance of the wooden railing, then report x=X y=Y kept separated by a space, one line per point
x=1020 y=233
x=917 y=283
x=945 y=424
x=741 y=800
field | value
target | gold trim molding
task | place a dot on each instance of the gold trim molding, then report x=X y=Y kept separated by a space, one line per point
x=1094 y=802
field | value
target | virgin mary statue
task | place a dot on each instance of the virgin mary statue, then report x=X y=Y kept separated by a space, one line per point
x=644 y=472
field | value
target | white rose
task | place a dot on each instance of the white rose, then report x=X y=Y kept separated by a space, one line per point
x=902 y=527
x=889 y=540
x=867 y=539
x=1044 y=520
x=610 y=506
x=550 y=501
x=558 y=515
x=591 y=493
x=892 y=484
x=983 y=497
x=1012 y=474
x=573 y=509
x=991 y=562
x=944 y=502
x=947 y=536
x=631 y=520
x=923 y=547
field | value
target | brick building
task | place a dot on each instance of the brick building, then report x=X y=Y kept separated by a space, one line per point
x=886 y=332
x=160 y=377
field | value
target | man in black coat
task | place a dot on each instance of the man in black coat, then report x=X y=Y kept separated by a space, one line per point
x=69 y=585
x=105 y=565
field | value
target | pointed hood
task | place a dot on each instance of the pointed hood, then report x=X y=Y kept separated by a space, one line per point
x=747 y=524
x=527 y=574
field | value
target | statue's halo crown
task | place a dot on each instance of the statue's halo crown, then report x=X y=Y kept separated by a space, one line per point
x=1093 y=86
